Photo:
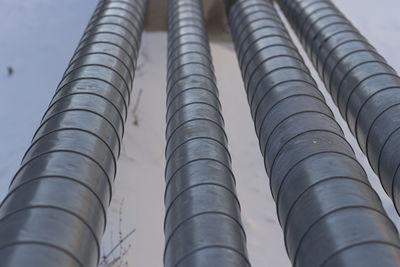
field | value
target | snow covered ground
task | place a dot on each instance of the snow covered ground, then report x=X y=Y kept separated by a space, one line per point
x=37 y=40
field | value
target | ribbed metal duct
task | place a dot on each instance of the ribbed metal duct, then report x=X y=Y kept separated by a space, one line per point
x=202 y=222
x=55 y=211
x=329 y=213
x=364 y=87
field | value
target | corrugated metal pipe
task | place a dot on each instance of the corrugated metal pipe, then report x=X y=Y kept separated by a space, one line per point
x=202 y=221
x=364 y=87
x=55 y=211
x=329 y=213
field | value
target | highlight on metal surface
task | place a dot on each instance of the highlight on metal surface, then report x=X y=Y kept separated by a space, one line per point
x=364 y=87
x=55 y=211
x=202 y=221
x=329 y=213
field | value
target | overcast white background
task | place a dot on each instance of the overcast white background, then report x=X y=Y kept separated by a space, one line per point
x=37 y=39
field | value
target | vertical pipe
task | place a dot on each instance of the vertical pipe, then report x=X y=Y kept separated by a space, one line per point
x=329 y=213
x=55 y=211
x=364 y=87
x=202 y=221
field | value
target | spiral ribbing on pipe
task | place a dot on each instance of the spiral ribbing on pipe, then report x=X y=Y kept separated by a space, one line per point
x=364 y=87
x=329 y=213
x=202 y=222
x=55 y=211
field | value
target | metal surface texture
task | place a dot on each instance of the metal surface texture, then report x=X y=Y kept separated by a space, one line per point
x=363 y=86
x=329 y=213
x=202 y=221
x=55 y=211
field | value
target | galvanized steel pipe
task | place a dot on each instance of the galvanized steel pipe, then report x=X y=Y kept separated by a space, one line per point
x=329 y=213
x=55 y=211
x=364 y=87
x=202 y=221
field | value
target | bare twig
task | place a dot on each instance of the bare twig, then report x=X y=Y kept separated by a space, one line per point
x=120 y=243
x=120 y=227
x=135 y=107
x=106 y=261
